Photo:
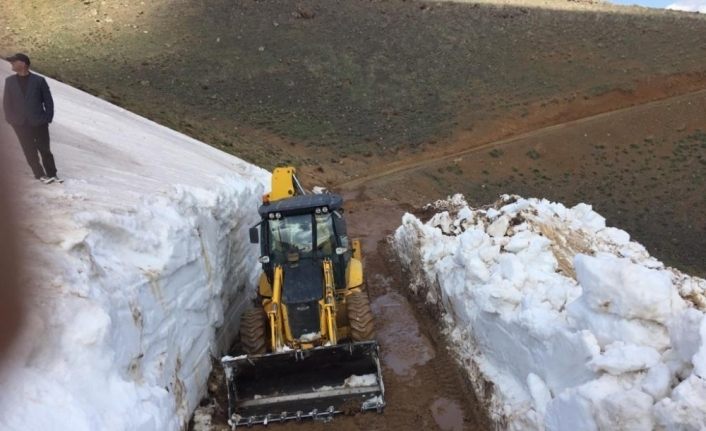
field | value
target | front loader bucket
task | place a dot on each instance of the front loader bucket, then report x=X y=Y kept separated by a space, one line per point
x=298 y=384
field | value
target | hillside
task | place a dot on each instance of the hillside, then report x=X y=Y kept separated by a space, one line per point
x=353 y=78
x=342 y=89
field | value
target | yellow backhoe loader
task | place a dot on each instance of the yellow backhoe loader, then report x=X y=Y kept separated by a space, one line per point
x=309 y=347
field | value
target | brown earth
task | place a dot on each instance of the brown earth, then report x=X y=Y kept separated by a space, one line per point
x=643 y=168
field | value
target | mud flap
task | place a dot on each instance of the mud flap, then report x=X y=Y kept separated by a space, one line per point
x=298 y=384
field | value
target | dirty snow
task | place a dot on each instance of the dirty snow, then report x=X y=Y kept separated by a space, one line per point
x=140 y=259
x=312 y=336
x=577 y=326
x=353 y=381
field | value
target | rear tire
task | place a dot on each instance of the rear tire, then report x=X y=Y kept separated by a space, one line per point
x=253 y=331
x=360 y=317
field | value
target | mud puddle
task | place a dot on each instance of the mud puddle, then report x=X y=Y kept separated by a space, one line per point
x=447 y=414
x=403 y=347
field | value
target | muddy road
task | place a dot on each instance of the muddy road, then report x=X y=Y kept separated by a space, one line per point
x=425 y=388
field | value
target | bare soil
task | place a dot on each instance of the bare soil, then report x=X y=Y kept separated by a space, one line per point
x=643 y=168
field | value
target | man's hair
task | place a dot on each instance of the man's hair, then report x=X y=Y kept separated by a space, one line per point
x=19 y=57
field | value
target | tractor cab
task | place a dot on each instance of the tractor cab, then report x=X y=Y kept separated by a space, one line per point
x=303 y=230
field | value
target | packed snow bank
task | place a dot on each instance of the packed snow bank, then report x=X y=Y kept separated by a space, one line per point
x=576 y=326
x=136 y=259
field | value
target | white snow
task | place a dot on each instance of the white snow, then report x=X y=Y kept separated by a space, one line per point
x=576 y=326
x=139 y=261
x=688 y=6
x=312 y=336
x=352 y=381
x=356 y=381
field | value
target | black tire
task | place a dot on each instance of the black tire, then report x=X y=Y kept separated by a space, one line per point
x=253 y=331
x=360 y=317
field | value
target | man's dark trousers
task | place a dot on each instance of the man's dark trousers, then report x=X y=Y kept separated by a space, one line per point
x=35 y=141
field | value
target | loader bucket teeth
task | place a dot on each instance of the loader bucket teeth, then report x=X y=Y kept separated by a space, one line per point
x=304 y=384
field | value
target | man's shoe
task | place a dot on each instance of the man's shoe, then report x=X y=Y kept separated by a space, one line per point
x=56 y=179
x=47 y=180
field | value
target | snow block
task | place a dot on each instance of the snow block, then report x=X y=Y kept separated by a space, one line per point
x=139 y=260
x=576 y=326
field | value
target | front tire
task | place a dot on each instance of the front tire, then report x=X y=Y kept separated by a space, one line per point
x=360 y=317
x=253 y=328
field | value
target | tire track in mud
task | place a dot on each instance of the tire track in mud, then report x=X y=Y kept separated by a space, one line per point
x=425 y=387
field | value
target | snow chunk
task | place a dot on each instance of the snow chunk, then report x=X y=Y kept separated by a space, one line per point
x=657 y=381
x=625 y=410
x=682 y=334
x=684 y=409
x=699 y=359
x=539 y=392
x=307 y=338
x=499 y=227
x=620 y=287
x=576 y=326
x=353 y=381
x=622 y=358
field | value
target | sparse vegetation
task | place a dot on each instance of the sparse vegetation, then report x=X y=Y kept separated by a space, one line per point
x=533 y=154
x=357 y=78
x=496 y=152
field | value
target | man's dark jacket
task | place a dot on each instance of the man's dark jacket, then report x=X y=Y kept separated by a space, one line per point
x=34 y=108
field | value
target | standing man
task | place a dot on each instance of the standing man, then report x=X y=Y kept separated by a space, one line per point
x=29 y=108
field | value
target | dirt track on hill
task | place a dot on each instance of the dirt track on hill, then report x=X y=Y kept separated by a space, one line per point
x=407 y=165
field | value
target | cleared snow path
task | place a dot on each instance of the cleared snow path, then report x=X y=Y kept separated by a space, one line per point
x=136 y=257
x=576 y=326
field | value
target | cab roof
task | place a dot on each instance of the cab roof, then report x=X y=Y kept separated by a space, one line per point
x=302 y=204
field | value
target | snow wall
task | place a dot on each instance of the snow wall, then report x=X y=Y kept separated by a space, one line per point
x=140 y=266
x=575 y=326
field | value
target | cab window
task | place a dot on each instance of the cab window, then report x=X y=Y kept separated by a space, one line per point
x=292 y=234
x=325 y=238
